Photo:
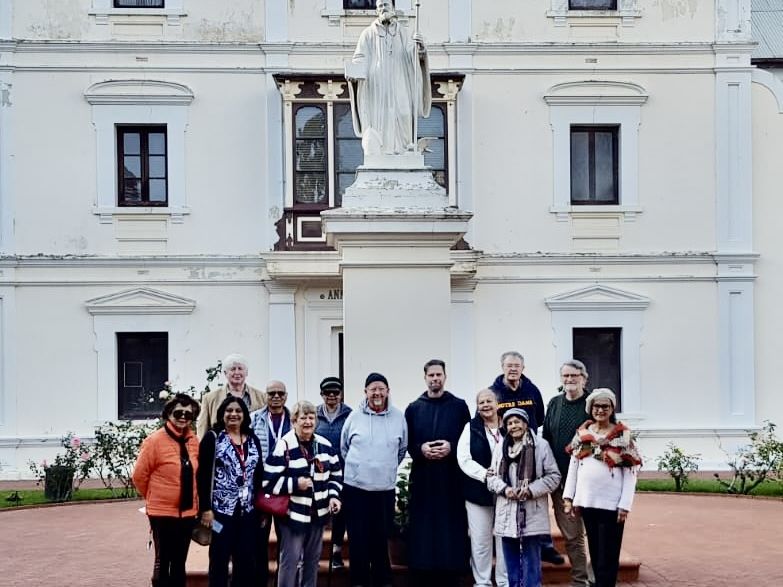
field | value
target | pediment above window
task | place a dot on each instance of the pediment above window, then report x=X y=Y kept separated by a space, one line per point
x=596 y=92
x=140 y=300
x=138 y=91
x=597 y=298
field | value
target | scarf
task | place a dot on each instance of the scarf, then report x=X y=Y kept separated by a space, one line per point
x=185 y=471
x=523 y=453
x=616 y=449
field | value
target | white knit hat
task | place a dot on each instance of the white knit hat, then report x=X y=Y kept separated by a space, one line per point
x=600 y=393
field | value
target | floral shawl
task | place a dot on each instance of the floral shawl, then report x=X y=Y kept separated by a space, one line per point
x=616 y=449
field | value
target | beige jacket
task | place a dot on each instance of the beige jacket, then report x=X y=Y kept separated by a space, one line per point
x=210 y=402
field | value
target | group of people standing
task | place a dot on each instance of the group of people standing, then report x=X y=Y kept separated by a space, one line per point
x=475 y=481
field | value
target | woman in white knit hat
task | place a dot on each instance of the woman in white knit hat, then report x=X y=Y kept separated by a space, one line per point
x=601 y=482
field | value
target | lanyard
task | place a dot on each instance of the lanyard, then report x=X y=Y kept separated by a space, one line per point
x=495 y=434
x=239 y=449
x=279 y=432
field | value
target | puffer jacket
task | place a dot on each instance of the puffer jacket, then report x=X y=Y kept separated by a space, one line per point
x=537 y=508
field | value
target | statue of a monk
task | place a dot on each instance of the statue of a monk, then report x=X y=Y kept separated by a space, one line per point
x=389 y=80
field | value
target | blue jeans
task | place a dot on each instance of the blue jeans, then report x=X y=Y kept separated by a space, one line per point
x=523 y=561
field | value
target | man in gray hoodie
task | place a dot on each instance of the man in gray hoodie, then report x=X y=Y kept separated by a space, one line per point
x=373 y=443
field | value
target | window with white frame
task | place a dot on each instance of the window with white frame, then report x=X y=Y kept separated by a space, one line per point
x=322 y=151
x=142 y=370
x=595 y=142
x=592 y=4
x=602 y=326
x=570 y=12
x=139 y=4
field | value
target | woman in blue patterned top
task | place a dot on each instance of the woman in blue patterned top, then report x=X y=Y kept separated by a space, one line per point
x=230 y=470
x=305 y=466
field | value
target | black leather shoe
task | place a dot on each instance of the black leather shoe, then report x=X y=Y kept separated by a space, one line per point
x=550 y=555
x=337 y=560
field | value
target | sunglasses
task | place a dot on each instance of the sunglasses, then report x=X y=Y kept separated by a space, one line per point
x=602 y=406
x=330 y=392
x=182 y=415
x=275 y=393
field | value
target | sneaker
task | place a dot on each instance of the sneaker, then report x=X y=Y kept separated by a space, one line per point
x=550 y=555
x=337 y=560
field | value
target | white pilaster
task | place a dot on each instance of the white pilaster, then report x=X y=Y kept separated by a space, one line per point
x=6 y=19
x=735 y=339
x=282 y=335
x=6 y=166
x=462 y=369
x=276 y=13
x=459 y=20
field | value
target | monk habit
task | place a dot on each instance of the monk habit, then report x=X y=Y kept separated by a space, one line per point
x=438 y=529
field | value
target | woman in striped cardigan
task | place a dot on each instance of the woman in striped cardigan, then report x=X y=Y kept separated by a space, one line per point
x=305 y=466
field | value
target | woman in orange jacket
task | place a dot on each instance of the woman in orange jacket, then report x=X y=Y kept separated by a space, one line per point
x=165 y=475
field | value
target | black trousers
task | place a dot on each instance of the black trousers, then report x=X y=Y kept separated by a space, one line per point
x=338 y=529
x=434 y=578
x=604 y=540
x=369 y=516
x=171 y=537
x=237 y=541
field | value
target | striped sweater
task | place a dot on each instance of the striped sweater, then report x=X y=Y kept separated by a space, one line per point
x=288 y=462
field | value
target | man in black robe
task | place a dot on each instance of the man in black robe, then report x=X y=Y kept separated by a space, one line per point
x=438 y=543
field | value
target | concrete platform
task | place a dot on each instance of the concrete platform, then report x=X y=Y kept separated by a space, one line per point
x=683 y=541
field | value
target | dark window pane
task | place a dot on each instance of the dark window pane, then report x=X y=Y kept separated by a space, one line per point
x=157 y=190
x=432 y=126
x=132 y=166
x=580 y=175
x=132 y=190
x=349 y=155
x=600 y=349
x=157 y=166
x=436 y=157
x=131 y=143
x=343 y=121
x=310 y=123
x=359 y=4
x=311 y=229
x=311 y=188
x=592 y=4
x=157 y=143
x=139 y=3
x=310 y=155
x=604 y=167
x=142 y=369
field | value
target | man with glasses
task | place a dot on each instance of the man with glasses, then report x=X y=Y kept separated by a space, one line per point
x=271 y=422
x=330 y=418
x=564 y=414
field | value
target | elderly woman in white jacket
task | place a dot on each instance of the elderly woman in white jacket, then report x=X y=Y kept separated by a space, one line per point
x=525 y=472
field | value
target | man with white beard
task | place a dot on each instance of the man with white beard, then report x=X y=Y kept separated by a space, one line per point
x=373 y=443
x=391 y=70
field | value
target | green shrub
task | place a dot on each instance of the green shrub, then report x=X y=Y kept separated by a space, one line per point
x=678 y=464
x=760 y=460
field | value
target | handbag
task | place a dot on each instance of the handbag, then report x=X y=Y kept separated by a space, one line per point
x=276 y=505
x=201 y=534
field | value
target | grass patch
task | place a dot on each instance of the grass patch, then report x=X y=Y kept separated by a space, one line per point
x=768 y=488
x=36 y=496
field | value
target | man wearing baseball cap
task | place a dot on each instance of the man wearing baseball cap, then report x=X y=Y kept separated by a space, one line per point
x=330 y=418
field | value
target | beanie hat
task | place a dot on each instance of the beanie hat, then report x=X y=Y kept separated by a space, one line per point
x=600 y=393
x=518 y=412
x=373 y=377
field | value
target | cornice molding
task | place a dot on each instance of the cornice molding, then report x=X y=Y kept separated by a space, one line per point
x=138 y=91
x=140 y=300
x=597 y=298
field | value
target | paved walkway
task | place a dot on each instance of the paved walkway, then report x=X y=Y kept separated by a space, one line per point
x=682 y=541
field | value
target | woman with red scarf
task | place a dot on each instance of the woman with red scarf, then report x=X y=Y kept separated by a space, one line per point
x=601 y=482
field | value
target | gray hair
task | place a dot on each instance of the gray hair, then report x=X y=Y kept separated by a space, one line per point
x=301 y=408
x=575 y=364
x=508 y=354
x=234 y=359
x=488 y=390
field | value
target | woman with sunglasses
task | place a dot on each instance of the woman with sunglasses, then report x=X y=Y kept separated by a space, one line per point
x=165 y=476
x=303 y=465
x=601 y=482
x=230 y=469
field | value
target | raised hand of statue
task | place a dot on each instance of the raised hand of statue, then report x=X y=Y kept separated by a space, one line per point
x=419 y=40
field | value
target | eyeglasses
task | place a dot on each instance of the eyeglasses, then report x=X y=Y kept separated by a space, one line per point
x=567 y=375
x=182 y=415
x=602 y=406
x=276 y=393
x=330 y=392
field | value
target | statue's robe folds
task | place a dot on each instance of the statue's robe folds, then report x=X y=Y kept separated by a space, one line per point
x=393 y=86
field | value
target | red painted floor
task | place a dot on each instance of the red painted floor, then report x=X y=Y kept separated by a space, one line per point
x=682 y=541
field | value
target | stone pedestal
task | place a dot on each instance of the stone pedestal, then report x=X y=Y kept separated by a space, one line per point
x=393 y=235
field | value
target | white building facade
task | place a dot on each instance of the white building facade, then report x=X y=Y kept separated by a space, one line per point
x=164 y=164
